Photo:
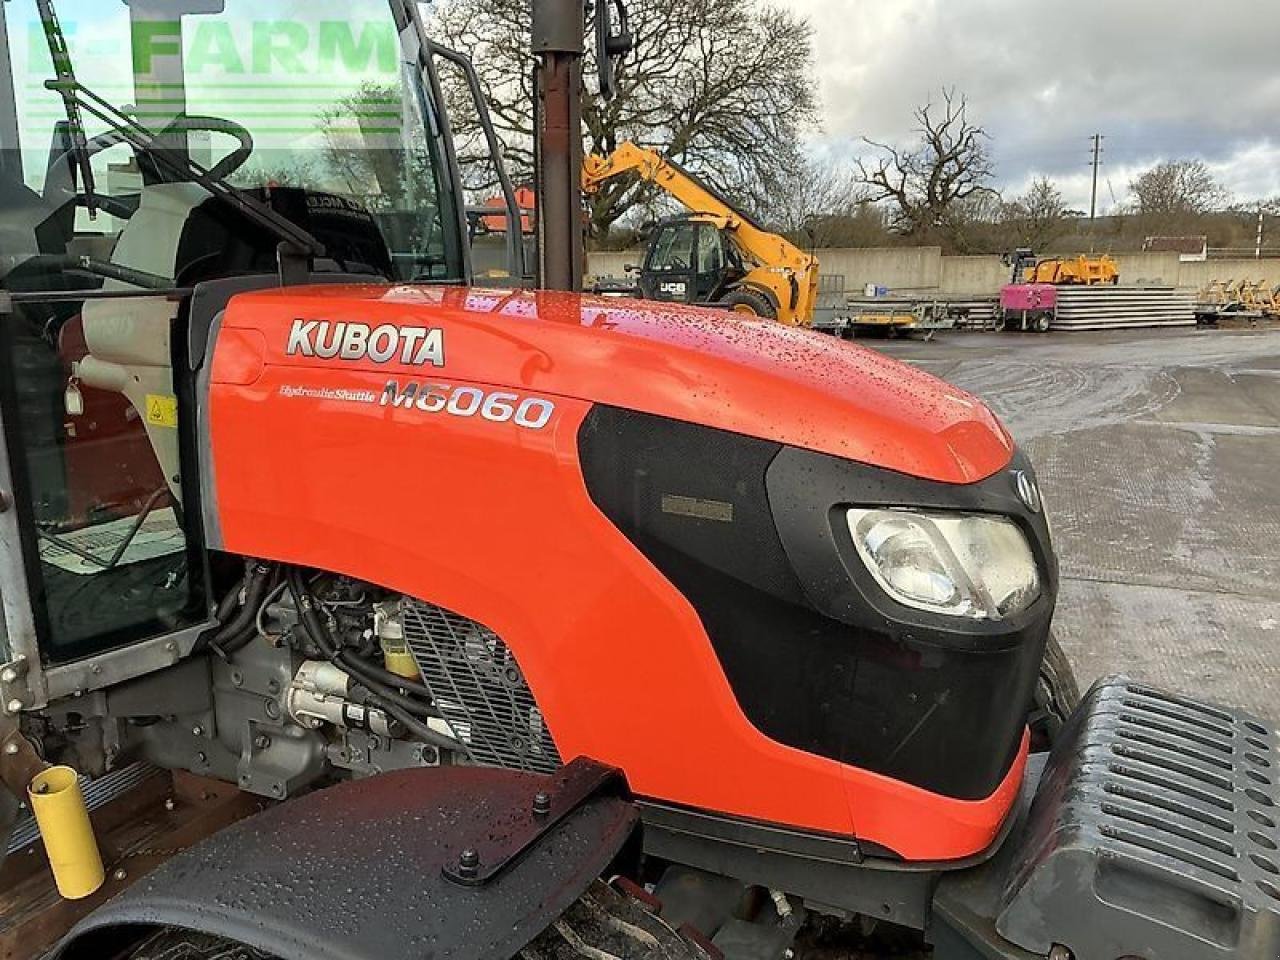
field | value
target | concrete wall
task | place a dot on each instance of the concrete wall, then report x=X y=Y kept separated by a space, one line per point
x=1199 y=274
x=1157 y=269
x=972 y=275
x=910 y=270
x=905 y=269
x=608 y=263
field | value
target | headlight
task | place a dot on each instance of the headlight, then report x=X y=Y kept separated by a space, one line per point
x=963 y=565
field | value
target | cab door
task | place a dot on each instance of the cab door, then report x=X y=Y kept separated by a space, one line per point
x=712 y=264
x=110 y=545
x=669 y=271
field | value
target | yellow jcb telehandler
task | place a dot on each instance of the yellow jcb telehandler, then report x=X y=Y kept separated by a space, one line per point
x=715 y=254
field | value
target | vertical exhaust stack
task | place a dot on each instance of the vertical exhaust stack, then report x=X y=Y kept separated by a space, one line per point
x=60 y=812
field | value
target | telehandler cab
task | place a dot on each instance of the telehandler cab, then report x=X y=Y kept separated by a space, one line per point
x=714 y=254
x=540 y=625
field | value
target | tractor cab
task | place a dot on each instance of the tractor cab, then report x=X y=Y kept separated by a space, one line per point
x=149 y=150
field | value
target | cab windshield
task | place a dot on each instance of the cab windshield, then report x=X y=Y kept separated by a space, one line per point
x=182 y=141
x=316 y=109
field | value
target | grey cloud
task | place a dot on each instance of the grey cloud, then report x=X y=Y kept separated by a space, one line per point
x=1165 y=79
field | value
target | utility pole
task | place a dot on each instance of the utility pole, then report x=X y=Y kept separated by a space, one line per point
x=1097 y=139
x=559 y=46
x=1257 y=250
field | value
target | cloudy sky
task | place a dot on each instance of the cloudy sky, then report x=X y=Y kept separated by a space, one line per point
x=1161 y=79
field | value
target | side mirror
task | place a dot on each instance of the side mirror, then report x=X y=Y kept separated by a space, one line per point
x=611 y=46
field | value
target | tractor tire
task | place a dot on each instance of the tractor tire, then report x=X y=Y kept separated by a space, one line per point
x=1057 y=696
x=601 y=923
x=749 y=303
x=605 y=923
x=172 y=943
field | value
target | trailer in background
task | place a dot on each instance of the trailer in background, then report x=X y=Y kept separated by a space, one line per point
x=920 y=318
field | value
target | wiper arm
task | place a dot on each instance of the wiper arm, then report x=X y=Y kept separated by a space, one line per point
x=182 y=165
x=65 y=74
x=78 y=99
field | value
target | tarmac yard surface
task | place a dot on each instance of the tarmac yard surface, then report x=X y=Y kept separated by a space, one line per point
x=1158 y=453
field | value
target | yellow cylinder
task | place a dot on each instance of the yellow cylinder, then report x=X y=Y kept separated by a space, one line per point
x=396 y=655
x=68 y=836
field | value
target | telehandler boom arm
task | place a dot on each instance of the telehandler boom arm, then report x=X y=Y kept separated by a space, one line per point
x=772 y=253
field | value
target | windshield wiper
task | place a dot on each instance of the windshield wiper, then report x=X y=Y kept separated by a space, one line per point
x=79 y=99
x=65 y=73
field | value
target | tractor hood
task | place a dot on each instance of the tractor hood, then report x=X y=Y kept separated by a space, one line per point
x=714 y=368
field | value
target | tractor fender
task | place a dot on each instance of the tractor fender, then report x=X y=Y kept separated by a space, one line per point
x=373 y=869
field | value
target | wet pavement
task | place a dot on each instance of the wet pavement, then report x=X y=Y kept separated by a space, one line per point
x=1159 y=455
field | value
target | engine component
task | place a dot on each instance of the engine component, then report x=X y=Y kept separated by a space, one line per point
x=318 y=695
x=389 y=629
x=479 y=689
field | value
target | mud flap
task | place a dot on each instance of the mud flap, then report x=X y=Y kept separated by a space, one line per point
x=1152 y=834
x=461 y=862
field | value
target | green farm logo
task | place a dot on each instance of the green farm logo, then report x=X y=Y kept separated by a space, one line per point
x=244 y=48
x=267 y=46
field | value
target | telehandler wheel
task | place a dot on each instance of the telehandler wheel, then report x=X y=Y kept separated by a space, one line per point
x=1042 y=323
x=1057 y=696
x=750 y=303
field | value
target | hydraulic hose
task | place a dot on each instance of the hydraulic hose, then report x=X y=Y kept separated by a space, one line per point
x=229 y=601
x=255 y=589
x=380 y=693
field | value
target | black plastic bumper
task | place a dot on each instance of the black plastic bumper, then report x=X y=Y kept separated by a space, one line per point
x=1153 y=834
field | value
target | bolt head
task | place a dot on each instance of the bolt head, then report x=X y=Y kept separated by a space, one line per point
x=468 y=863
x=10 y=749
x=169 y=804
x=261 y=741
x=9 y=675
x=198 y=730
x=95 y=668
x=542 y=803
x=120 y=874
x=14 y=705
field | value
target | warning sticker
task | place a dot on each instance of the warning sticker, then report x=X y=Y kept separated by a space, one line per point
x=162 y=410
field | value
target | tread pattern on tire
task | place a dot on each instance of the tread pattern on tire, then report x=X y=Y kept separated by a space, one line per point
x=1057 y=694
x=758 y=302
x=601 y=925
x=172 y=943
x=605 y=925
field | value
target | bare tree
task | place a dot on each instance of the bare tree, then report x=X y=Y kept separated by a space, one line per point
x=1179 y=188
x=1037 y=217
x=722 y=86
x=812 y=196
x=928 y=183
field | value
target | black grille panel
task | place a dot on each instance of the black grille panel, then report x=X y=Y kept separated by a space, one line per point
x=479 y=689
